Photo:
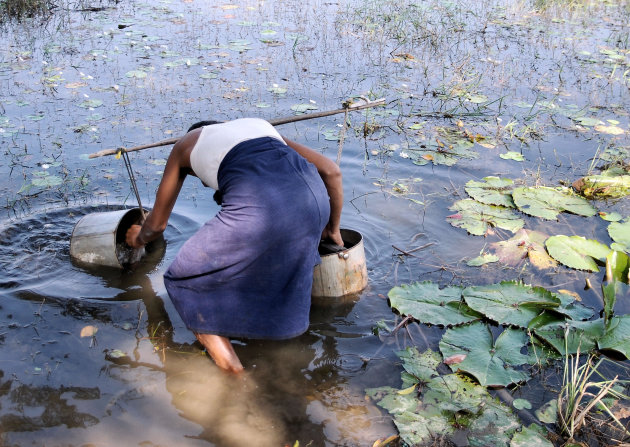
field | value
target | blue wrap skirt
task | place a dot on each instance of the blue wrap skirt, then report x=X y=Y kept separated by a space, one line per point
x=248 y=271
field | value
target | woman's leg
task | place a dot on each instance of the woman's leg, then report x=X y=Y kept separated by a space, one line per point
x=221 y=351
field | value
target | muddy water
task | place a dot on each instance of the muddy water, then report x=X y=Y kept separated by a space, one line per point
x=136 y=72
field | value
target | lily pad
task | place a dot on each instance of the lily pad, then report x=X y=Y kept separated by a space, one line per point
x=526 y=244
x=617 y=336
x=603 y=186
x=477 y=218
x=577 y=252
x=610 y=217
x=446 y=403
x=571 y=336
x=620 y=233
x=492 y=191
x=136 y=74
x=483 y=259
x=277 y=90
x=302 y=108
x=429 y=304
x=548 y=413
x=47 y=181
x=521 y=404
x=512 y=155
x=528 y=437
x=548 y=202
x=491 y=363
x=510 y=302
x=441 y=154
x=588 y=121
x=91 y=103
x=611 y=130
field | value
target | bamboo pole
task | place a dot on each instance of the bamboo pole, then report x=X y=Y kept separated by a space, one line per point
x=363 y=104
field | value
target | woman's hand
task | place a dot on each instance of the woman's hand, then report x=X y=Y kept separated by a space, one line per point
x=132 y=236
x=333 y=235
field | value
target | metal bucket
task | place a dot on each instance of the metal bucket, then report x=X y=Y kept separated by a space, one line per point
x=342 y=273
x=99 y=238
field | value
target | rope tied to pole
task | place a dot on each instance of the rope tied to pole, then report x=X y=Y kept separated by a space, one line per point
x=121 y=151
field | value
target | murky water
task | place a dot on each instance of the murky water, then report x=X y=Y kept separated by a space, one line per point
x=134 y=72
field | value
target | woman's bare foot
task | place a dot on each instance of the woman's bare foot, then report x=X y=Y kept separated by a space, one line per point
x=221 y=351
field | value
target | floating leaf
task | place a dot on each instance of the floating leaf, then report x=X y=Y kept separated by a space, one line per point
x=526 y=244
x=572 y=336
x=91 y=103
x=611 y=130
x=441 y=155
x=492 y=191
x=486 y=258
x=331 y=135
x=116 y=354
x=588 y=121
x=603 y=186
x=529 y=436
x=89 y=331
x=210 y=75
x=158 y=161
x=512 y=155
x=477 y=218
x=46 y=181
x=136 y=74
x=492 y=364
x=510 y=302
x=617 y=336
x=477 y=99
x=444 y=400
x=610 y=217
x=548 y=413
x=577 y=252
x=521 y=404
x=427 y=303
x=620 y=233
x=302 y=108
x=548 y=202
x=276 y=90
x=262 y=105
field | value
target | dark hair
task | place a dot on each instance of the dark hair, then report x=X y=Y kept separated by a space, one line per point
x=203 y=123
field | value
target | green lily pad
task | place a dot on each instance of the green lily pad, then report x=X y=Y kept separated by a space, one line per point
x=620 y=233
x=91 y=103
x=276 y=90
x=477 y=99
x=525 y=244
x=483 y=259
x=302 y=108
x=548 y=202
x=603 y=186
x=136 y=74
x=429 y=304
x=492 y=191
x=528 y=437
x=588 y=121
x=610 y=217
x=577 y=252
x=446 y=403
x=47 y=181
x=617 y=336
x=491 y=363
x=510 y=302
x=548 y=413
x=521 y=404
x=441 y=155
x=477 y=218
x=580 y=335
x=512 y=155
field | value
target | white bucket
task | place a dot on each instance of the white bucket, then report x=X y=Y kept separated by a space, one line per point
x=99 y=238
x=342 y=273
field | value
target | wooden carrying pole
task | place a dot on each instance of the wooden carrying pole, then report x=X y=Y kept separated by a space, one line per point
x=359 y=105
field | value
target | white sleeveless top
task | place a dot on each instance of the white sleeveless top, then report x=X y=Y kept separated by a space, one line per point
x=216 y=140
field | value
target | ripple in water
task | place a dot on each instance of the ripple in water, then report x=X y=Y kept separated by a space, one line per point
x=35 y=260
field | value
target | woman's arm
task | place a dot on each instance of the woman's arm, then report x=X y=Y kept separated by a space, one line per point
x=331 y=175
x=175 y=171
